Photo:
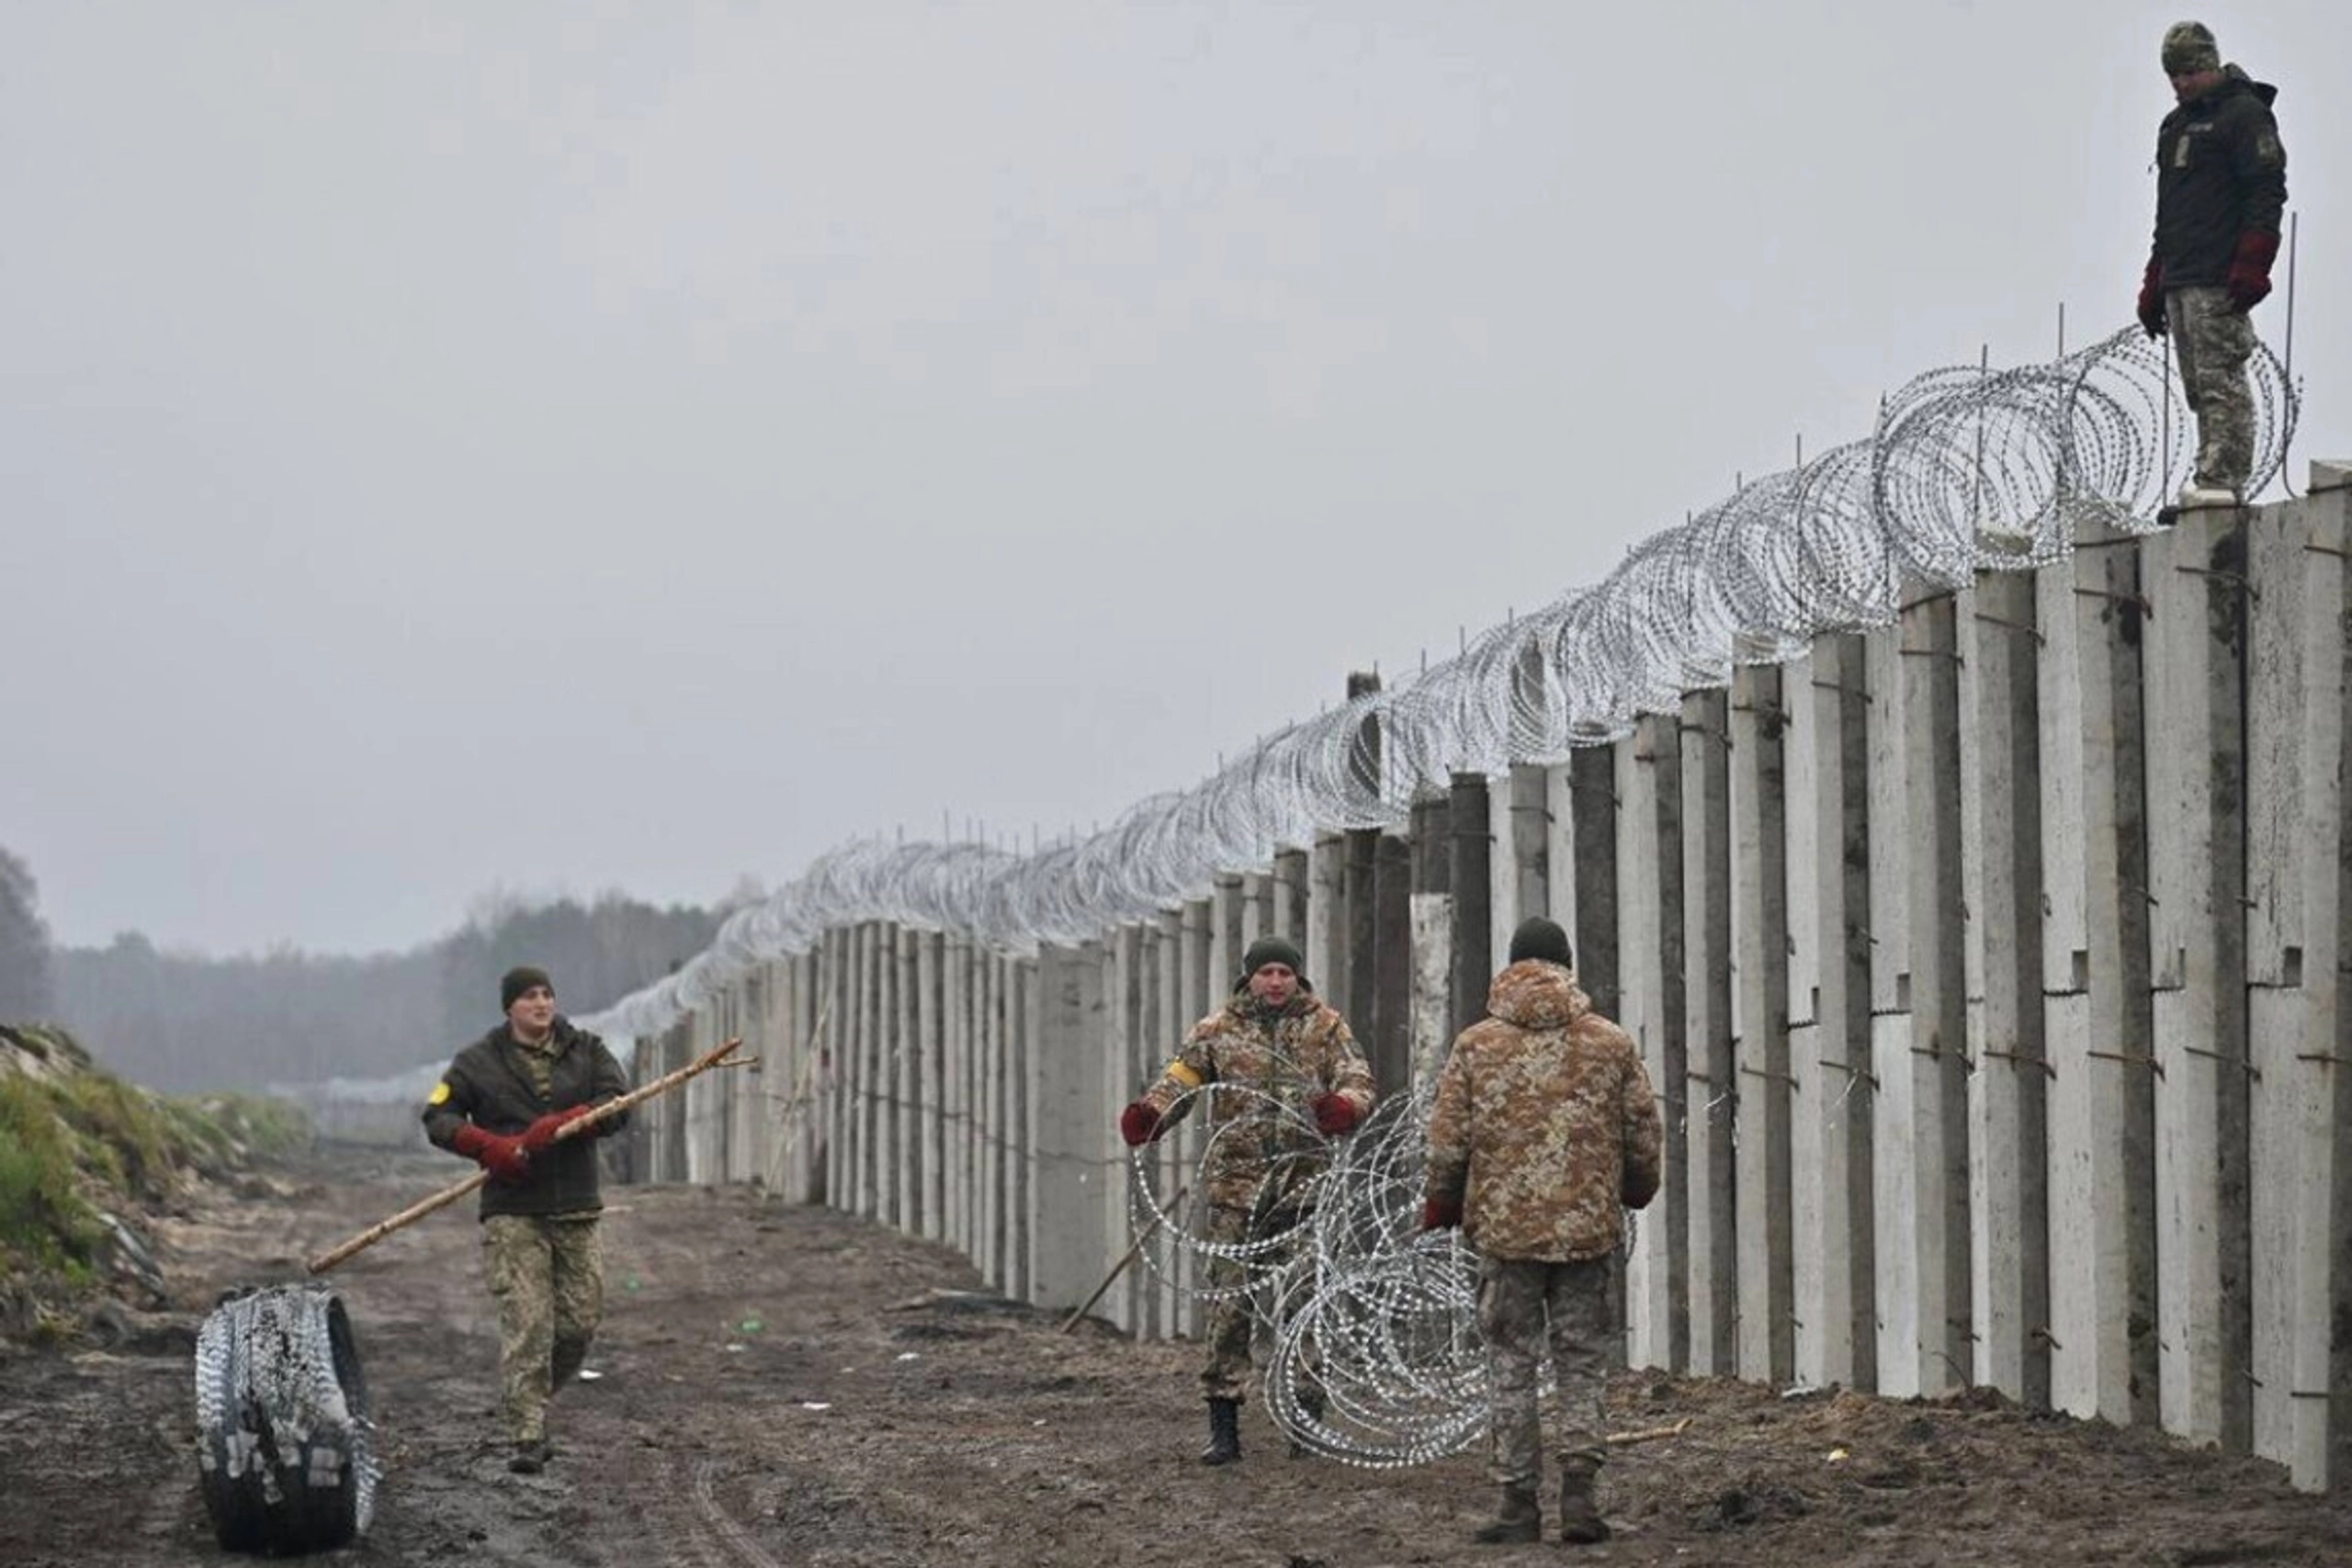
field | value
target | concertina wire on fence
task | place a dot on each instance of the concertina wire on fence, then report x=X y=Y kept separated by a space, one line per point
x=1376 y=1357
x=1969 y=468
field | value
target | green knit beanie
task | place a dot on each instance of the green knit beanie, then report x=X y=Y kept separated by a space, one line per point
x=1273 y=950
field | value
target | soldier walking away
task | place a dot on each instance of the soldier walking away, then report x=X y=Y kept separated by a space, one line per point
x=2221 y=189
x=1285 y=1077
x=501 y=1103
x=1543 y=1125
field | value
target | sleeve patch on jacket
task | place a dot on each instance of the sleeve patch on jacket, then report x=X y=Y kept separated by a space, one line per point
x=440 y=1095
x=1183 y=1075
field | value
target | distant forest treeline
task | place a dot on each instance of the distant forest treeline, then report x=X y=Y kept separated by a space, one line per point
x=185 y=1024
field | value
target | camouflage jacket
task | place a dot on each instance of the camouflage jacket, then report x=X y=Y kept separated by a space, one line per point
x=1544 y=1123
x=1301 y=1052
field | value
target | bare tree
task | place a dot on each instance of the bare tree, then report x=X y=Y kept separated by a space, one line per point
x=24 y=993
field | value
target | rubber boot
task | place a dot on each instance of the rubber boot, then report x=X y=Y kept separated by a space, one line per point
x=1521 y=1519
x=1225 y=1432
x=1580 y=1520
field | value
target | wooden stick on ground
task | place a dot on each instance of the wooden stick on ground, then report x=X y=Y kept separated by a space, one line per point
x=1651 y=1434
x=448 y=1195
x=1121 y=1266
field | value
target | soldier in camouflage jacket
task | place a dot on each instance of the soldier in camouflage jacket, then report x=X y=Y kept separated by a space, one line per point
x=1282 y=1077
x=1545 y=1128
x=501 y=1103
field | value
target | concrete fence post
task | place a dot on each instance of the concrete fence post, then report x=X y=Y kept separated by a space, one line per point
x=1023 y=1011
x=2194 y=579
x=1840 y=1081
x=2296 y=856
x=1526 y=855
x=1391 y=1044
x=1324 y=928
x=908 y=1177
x=1171 y=1017
x=1711 y=1082
x=1357 y=991
x=934 y=1081
x=1228 y=939
x=1657 y=1275
x=1940 y=1061
x=1760 y=956
x=1289 y=886
x=1433 y=917
x=1470 y=874
x=2002 y=794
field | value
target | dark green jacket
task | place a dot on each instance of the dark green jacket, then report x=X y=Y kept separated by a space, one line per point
x=2221 y=169
x=489 y=1084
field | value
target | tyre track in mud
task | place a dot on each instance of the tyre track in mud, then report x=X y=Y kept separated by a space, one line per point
x=722 y=1540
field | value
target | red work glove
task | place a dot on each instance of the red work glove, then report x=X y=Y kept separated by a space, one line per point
x=541 y=1133
x=1441 y=1214
x=2249 y=279
x=1334 y=1113
x=1139 y=1124
x=505 y=1158
x=2152 y=298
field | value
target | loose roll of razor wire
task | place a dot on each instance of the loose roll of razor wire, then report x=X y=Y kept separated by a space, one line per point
x=286 y=1455
x=1375 y=1355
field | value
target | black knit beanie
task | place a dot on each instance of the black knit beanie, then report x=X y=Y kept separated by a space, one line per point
x=1273 y=950
x=515 y=981
x=1540 y=937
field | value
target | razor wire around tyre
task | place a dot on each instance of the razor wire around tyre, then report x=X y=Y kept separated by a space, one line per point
x=286 y=1450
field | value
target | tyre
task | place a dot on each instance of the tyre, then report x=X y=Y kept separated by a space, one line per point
x=285 y=1451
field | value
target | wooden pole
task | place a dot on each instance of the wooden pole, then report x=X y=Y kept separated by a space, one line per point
x=448 y=1195
x=1125 y=1258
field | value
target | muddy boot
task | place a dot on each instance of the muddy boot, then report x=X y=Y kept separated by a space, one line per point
x=1520 y=1519
x=1580 y=1520
x=1225 y=1432
x=529 y=1458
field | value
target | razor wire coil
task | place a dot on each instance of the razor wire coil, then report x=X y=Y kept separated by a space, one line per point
x=1968 y=469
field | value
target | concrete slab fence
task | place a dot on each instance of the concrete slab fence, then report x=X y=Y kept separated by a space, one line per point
x=1990 y=966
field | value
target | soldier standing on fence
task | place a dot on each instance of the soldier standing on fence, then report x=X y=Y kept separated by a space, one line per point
x=1544 y=1124
x=501 y=1103
x=1285 y=1077
x=2221 y=190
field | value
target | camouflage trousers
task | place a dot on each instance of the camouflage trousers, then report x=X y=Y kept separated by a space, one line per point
x=1524 y=1307
x=2213 y=343
x=1230 y=1319
x=547 y=1274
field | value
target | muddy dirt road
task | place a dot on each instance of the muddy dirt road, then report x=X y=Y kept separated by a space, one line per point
x=786 y=1386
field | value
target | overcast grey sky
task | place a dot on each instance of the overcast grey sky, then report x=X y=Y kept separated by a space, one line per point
x=570 y=446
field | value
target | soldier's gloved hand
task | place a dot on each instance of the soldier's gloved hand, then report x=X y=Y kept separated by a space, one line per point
x=1139 y=1124
x=503 y=1157
x=1335 y=1113
x=2152 y=298
x=541 y=1133
x=2249 y=279
x=1441 y=1214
